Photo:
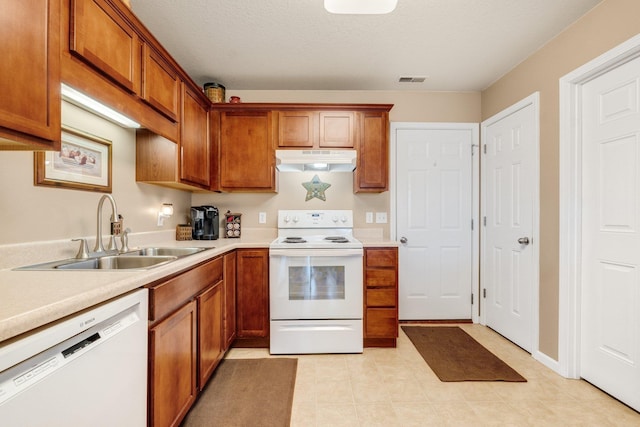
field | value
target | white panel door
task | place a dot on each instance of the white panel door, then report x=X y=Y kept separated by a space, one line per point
x=610 y=306
x=433 y=217
x=508 y=262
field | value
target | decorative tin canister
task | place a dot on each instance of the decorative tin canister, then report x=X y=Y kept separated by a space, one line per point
x=214 y=91
x=232 y=224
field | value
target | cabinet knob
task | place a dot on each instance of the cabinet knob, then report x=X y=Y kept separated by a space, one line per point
x=403 y=240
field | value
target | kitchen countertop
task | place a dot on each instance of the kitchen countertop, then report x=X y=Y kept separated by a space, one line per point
x=31 y=299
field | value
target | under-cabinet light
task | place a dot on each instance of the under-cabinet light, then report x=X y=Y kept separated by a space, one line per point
x=83 y=101
x=360 y=7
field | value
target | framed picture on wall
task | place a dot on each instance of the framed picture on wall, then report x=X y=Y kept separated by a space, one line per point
x=83 y=163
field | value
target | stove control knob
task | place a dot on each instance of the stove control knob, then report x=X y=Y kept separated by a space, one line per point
x=335 y=219
x=295 y=219
x=343 y=219
x=286 y=219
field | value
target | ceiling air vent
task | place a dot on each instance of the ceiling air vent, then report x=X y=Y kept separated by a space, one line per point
x=412 y=79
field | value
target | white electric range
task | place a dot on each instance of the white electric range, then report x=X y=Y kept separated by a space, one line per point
x=315 y=283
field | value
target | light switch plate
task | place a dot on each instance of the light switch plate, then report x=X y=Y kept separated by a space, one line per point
x=381 y=217
x=262 y=217
x=369 y=218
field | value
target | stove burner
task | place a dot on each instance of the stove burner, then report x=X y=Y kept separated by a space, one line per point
x=294 y=240
x=337 y=239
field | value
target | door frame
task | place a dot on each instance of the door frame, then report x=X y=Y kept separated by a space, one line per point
x=534 y=100
x=570 y=261
x=475 y=201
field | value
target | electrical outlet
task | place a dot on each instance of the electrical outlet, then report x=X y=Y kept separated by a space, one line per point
x=262 y=217
x=369 y=218
x=381 y=217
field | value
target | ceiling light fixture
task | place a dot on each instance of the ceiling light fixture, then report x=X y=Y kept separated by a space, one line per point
x=83 y=101
x=360 y=7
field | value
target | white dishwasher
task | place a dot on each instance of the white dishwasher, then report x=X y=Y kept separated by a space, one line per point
x=87 y=370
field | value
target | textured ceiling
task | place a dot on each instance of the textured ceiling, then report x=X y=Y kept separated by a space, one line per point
x=459 y=45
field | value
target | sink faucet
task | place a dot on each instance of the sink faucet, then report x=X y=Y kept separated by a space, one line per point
x=116 y=225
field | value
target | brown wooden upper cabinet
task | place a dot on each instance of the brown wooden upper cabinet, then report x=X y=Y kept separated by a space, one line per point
x=316 y=129
x=195 y=165
x=160 y=83
x=184 y=164
x=247 y=157
x=102 y=38
x=30 y=75
x=372 y=172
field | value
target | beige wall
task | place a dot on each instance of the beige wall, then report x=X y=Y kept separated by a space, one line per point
x=609 y=24
x=32 y=213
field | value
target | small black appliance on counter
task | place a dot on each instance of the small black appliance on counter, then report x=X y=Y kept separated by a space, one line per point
x=205 y=222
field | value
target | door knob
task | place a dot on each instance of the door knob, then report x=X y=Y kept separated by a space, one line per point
x=403 y=240
x=523 y=240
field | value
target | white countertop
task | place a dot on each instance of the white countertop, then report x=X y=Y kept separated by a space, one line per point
x=30 y=299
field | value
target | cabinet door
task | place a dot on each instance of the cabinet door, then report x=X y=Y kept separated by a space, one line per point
x=209 y=332
x=372 y=173
x=247 y=157
x=253 y=293
x=229 y=299
x=160 y=83
x=297 y=129
x=173 y=367
x=194 y=140
x=337 y=129
x=103 y=39
x=30 y=66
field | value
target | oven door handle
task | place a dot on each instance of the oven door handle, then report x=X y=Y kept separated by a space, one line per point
x=316 y=252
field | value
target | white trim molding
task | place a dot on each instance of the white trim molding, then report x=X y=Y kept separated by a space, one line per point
x=570 y=260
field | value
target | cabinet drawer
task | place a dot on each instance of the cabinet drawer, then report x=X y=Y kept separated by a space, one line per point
x=381 y=297
x=381 y=323
x=381 y=257
x=380 y=277
x=168 y=296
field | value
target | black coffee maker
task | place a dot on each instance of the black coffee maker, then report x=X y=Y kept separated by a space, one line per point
x=205 y=222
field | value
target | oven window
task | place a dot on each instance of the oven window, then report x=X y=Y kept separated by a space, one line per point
x=316 y=282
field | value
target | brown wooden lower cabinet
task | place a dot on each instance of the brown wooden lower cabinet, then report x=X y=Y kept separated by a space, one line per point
x=185 y=339
x=210 y=341
x=380 y=297
x=252 y=297
x=172 y=374
x=229 y=324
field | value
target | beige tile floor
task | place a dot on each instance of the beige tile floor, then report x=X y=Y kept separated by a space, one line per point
x=395 y=387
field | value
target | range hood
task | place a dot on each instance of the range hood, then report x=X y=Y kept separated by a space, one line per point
x=316 y=160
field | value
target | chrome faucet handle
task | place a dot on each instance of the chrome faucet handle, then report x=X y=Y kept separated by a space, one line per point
x=124 y=240
x=83 y=252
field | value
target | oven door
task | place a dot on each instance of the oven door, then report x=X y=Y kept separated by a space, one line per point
x=315 y=283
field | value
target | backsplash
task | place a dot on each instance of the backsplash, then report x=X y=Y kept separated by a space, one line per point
x=292 y=194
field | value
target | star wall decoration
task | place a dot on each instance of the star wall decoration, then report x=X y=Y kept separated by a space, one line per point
x=315 y=189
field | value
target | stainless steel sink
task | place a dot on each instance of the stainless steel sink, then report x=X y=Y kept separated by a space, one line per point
x=117 y=263
x=140 y=259
x=159 y=251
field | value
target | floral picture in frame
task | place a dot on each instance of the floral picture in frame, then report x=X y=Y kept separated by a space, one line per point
x=83 y=163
